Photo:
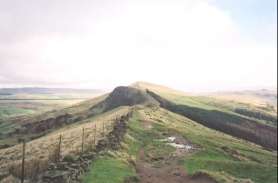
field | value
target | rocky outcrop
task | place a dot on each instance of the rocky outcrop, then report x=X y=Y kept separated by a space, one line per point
x=70 y=171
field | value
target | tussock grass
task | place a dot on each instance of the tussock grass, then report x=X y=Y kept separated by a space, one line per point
x=33 y=166
x=10 y=179
x=112 y=154
x=128 y=137
x=132 y=160
x=219 y=177
x=124 y=146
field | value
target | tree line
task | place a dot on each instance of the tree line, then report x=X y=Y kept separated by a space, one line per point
x=257 y=114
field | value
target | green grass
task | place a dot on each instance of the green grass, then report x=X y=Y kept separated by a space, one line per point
x=163 y=150
x=256 y=172
x=6 y=128
x=113 y=169
x=222 y=104
x=210 y=104
x=266 y=157
x=110 y=170
x=158 y=165
x=221 y=177
x=214 y=160
x=6 y=112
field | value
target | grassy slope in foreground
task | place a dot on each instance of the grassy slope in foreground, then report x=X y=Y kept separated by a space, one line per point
x=218 y=164
x=215 y=160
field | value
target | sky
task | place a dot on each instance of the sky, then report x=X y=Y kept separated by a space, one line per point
x=189 y=45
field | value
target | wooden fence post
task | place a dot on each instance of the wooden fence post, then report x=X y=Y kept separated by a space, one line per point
x=95 y=138
x=82 y=141
x=23 y=162
x=59 y=149
x=132 y=113
x=95 y=134
x=103 y=129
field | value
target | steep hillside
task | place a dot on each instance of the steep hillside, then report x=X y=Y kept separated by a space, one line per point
x=265 y=114
x=35 y=125
x=123 y=96
x=251 y=130
x=40 y=124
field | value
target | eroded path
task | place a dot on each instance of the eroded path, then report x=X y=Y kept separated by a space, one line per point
x=165 y=168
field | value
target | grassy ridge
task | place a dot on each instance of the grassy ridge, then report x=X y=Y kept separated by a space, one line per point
x=222 y=166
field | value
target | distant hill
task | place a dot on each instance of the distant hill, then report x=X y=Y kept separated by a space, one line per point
x=156 y=88
x=256 y=97
x=124 y=96
x=38 y=90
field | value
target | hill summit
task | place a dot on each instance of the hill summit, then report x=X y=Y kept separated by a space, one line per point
x=124 y=96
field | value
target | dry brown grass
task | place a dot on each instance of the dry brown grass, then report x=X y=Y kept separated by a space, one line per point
x=127 y=136
x=124 y=146
x=34 y=166
x=124 y=157
x=132 y=160
x=112 y=154
x=10 y=179
x=42 y=151
x=157 y=88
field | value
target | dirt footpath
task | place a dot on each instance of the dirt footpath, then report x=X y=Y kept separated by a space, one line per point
x=170 y=171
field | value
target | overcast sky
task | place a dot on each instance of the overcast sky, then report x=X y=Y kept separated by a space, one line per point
x=190 y=45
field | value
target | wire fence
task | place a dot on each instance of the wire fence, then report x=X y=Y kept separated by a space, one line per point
x=31 y=159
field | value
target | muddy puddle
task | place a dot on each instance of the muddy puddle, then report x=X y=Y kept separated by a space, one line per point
x=170 y=141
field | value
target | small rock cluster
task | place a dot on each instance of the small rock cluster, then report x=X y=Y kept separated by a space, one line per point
x=70 y=171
